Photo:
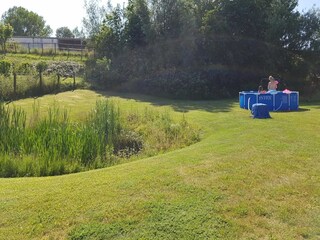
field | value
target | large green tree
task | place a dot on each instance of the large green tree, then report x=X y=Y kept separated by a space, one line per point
x=26 y=23
x=138 y=25
x=109 y=41
x=95 y=14
x=169 y=17
x=64 y=32
x=284 y=27
x=6 y=32
x=234 y=32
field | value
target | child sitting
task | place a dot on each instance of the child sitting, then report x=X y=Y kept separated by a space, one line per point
x=260 y=90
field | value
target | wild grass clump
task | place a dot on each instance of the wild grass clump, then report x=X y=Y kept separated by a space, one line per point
x=160 y=131
x=54 y=145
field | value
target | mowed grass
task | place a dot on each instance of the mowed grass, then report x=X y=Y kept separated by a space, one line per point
x=246 y=179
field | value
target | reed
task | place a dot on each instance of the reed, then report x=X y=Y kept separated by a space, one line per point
x=54 y=145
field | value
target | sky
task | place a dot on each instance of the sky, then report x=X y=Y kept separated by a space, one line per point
x=71 y=12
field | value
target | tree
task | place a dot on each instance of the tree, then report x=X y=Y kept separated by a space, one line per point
x=95 y=16
x=166 y=39
x=41 y=67
x=26 y=23
x=283 y=29
x=234 y=33
x=167 y=17
x=138 y=27
x=78 y=33
x=6 y=32
x=64 y=32
x=310 y=31
x=109 y=41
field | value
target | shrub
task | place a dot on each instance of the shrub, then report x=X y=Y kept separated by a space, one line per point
x=41 y=66
x=24 y=68
x=5 y=68
x=64 y=68
x=212 y=83
x=128 y=143
x=98 y=69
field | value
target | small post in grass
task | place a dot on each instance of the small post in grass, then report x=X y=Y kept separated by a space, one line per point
x=74 y=80
x=14 y=84
x=58 y=75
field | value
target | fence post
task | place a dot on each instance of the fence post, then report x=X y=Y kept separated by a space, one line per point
x=14 y=84
x=58 y=82
x=74 y=81
x=40 y=83
x=29 y=48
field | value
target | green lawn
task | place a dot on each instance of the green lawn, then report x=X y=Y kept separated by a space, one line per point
x=246 y=179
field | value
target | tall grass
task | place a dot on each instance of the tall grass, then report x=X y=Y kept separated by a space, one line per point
x=160 y=131
x=57 y=145
x=54 y=145
x=12 y=129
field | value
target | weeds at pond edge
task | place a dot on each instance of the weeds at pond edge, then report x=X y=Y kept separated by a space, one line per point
x=53 y=145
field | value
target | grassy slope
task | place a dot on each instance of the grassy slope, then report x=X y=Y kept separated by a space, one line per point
x=38 y=57
x=247 y=179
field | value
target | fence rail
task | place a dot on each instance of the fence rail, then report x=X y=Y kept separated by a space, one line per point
x=49 y=48
x=16 y=46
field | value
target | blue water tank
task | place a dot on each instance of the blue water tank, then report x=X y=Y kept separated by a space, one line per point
x=247 y=99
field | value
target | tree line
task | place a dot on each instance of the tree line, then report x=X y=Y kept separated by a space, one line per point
x=203 y=48
x=30 y=24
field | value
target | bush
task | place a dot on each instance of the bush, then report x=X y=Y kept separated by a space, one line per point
x=98 y=69
x=41 y=66
x=64 y=68
x=212 y=83
x=128 y=143
x=24 y=68
x=5 y=68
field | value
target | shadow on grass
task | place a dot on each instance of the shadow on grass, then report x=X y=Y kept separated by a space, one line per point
x=303 y=109
x=295 y=111
x=177 y=104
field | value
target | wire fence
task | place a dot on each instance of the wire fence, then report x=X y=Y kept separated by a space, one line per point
x=48 y=48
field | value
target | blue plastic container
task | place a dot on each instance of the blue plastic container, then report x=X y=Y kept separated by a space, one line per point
x=260 y=110
x=275 y=100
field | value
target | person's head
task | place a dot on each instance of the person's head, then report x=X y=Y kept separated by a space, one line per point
x=271 y=78
x=260 y=88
